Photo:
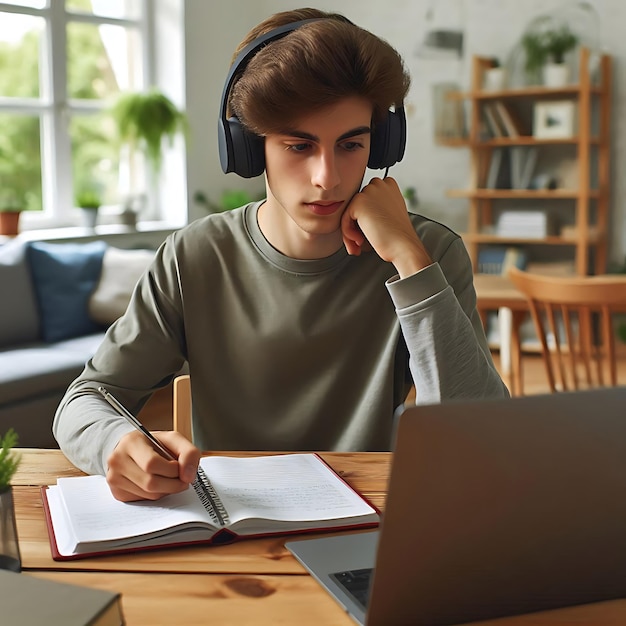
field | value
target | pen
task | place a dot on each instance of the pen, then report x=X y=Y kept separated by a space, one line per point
x=129 y=417
x=201 y=484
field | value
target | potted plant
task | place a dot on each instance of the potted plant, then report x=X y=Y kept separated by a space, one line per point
x=89 y=199
x=494 y=76
x=10 y=209
x=145 y=120
x=546 y=50
x=9 y=462
x=230 y=199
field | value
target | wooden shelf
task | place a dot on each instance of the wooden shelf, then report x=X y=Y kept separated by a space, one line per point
x=524 y=140
x=504 y=115
x=554 y=240
x=520 y=194
x=533 y=91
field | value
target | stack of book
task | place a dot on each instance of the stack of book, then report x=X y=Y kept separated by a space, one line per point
x=498 y=259
x=525 y=224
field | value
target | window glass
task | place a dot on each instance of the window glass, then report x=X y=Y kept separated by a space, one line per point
x=95 y=157
x=102 y=60
x=20 y=43
x=122 y=9
x=33 y=4
x=20 y=161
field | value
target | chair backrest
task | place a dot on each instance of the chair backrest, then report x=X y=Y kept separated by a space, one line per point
x=573 y=321
x=182 y=406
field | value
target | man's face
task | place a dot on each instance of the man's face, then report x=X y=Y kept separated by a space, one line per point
x=313 y=170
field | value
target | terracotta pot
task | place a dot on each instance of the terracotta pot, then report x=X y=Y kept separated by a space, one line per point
x=9 y=223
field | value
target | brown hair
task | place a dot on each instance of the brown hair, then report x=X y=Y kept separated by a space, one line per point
x=314 y=66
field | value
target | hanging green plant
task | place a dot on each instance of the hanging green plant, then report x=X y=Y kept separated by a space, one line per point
x=145 y=119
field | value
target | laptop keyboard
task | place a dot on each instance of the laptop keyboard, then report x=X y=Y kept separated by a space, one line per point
x=356 y=582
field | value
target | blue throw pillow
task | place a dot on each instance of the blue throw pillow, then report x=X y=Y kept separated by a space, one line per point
x=65 y=275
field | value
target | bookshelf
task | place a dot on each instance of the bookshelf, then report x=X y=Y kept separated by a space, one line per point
x=518 y=127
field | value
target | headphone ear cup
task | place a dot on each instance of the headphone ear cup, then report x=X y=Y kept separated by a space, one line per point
x=240 y=151
x=388 y=141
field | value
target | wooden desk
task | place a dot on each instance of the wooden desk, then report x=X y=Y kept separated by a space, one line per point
x=497 y=293
x=254 y=582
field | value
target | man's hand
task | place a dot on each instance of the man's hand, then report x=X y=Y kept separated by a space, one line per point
x=137 y=472
x=377 y=215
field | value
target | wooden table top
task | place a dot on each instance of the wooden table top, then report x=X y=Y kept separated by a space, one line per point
x=494 y=291
x=253 y=582
x=366 y=472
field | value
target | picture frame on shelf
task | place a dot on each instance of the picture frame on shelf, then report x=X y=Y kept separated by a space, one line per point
x=555 y=119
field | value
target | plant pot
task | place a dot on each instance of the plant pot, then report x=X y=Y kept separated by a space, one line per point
x=90 y=217
x=10 y=223
x=9 y=547
x=494 y=79
x=555 y=74
x=128 y=217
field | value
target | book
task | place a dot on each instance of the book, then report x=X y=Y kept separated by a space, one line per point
x=528 y=168
x=499 y=172
x=510 y=121
x=30 y=601
x=498 y=259
x=493 y=124
x=240 y=497
x=494 y=169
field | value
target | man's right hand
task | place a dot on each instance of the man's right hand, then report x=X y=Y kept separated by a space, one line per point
x=137 y=472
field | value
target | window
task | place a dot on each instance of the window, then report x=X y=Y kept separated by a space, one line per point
x=62 y=62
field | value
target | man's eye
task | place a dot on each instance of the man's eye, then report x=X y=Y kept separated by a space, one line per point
x=298 y=147
x=351 y=146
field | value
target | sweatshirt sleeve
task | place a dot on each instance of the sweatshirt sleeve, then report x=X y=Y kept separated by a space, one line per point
x=448 y=353
x=85 y=426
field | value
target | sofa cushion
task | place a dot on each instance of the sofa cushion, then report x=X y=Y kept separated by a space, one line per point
x=64 y=275
x=121 y=269
x=19 y=318
x=37 y=369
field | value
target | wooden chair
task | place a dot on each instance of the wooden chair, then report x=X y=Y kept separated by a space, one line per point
x=573 y=319
x=182 y=406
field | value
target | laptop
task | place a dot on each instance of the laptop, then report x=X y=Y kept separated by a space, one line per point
x=494 y=508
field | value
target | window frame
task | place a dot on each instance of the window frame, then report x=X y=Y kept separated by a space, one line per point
x=55 y=108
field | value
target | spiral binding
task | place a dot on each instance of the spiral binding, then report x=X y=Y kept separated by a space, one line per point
x=209 y=498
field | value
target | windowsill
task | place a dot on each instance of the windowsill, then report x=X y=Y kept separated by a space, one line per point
x=104 y=231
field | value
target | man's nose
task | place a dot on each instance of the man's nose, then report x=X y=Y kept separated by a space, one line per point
x=325 y=173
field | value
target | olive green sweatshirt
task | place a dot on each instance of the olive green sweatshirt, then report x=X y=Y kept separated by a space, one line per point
x=284 y=354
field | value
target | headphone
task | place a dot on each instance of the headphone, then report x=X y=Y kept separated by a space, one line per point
x=243 y=152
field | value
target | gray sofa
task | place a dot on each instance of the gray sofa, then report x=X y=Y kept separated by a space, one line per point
x=54 y=309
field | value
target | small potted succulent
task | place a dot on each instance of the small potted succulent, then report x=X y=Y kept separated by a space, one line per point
x=9 y=462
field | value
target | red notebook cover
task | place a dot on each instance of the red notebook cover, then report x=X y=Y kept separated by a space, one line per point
x=221 y=537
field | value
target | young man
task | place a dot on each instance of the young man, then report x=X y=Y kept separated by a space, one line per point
x=304 y=318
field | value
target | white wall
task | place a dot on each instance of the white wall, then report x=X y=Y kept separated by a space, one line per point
x=492 y=28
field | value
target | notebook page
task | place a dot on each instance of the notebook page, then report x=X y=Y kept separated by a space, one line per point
x=291 y=487
x=95 y=515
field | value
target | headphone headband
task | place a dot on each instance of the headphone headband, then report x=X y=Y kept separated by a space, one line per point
x=242 y=59
x=243 y=152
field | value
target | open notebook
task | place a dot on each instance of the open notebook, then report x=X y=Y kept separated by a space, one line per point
x=494 y=508
x=242 y=497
